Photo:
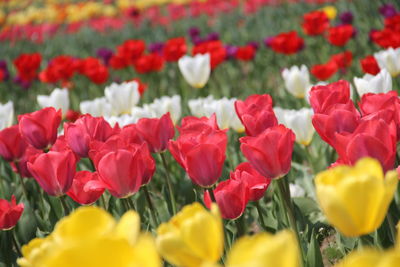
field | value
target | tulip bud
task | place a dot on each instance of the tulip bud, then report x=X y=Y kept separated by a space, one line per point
x=296 y=80
x=122 y=97
x=356 y=199
x=389 y=59
x=6 y=115
x=77 y=191
x=380 y=83
x=196 y=70
x=54 y=171
x=97 y=107
x=39 y=128
x=12 y=145
x=10 y=213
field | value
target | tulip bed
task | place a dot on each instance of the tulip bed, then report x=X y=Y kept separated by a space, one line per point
x=200 y=133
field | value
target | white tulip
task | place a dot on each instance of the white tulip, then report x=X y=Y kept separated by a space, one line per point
x=97 y=107
x=299 y=121
x=122 y=97
x=223 y=108
x=58 y=99
x=296 y=190
x=196 y=70
x=122 y=120
x=389 y=59
x=6 y=115
x=380 y=83
x=296 y=80
x=160 y=106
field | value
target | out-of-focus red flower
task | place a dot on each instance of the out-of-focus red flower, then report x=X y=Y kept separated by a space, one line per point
x=287 y=43
x=315 y=22
x=231 y=196
x=256 y=183
x=93 y=69
x=216 y=50
x=2 y=75
x=12 y=145
x=324 y=71
x=149 y=63
x=256 y=113
x=370 y=65
x=131 y=50
x=156 y=132
x=77 y=191
x=245 y=53
x=324 y=97
x=72 y=115
x=174 y=49
x=84 y=130
x=343 y=60
x=28 y=66
x=54 y=171
x=386 y=38
x=39 y=128
x=393 y=23
x=201 y=154
x=340 y=35
x=270 y=152
x=60 y=68
x=10 y=213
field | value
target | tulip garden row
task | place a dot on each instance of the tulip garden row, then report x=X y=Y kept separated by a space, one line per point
x=271 y=143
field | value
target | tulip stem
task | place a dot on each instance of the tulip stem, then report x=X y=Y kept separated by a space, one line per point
x=169 y=184
x=103 y=202
x=212 y=196
x=392 y=228
x=25 y=192
x=260 y=215
x=151 y=206
x=64 y=205
x=240 y=226
x=287 y=203
x=14 y=241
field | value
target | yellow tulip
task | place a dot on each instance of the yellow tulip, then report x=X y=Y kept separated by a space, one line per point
x=265 y=250
x=371 y=258
x=193 y=237
x=91 y=237
x=330 y=11
x=355 y=199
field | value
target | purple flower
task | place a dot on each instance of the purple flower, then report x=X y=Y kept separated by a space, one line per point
x=24 y=84
x=254 y=44
x=346 y=17
x=3 y=67
x=387 y=10
x=105 y=54
x=197 y=40
x=156 y=47
x=214 y=36
x=194 y=32
x=230 y=51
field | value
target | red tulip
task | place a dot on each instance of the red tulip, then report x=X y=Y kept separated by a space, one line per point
x=12 y=145
x=287 y=43
x=190 y=124
x=72 y=115
x=343 y=60
x=77 y=191
x=10 y=213
x=371 y=103
x=149 y=63
x=245 y=53
x=94 y=70
x=156 y=132
x=28 y=66
x=21 y=166
x=340 y=35
x=372 y=138
x=370 y=65
x=201 y=155
x=123 y=171
x=231 y=196
x=270 y=152
x=54 y=171
x=131 y=50
x=60 y=68
x=84 y=130
x=322 y=97
x=256 y=113
x=324 y=71
x=174 y=49
x=256 y=183
x=315 y=22
x=39 y=128
x=216 y=50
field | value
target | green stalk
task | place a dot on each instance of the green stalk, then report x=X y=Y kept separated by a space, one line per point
x=151 y=206
x=64 y=205
x=169 y=184
x=260 y=215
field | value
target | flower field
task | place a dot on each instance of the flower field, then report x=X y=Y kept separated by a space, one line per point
x=199 y=133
